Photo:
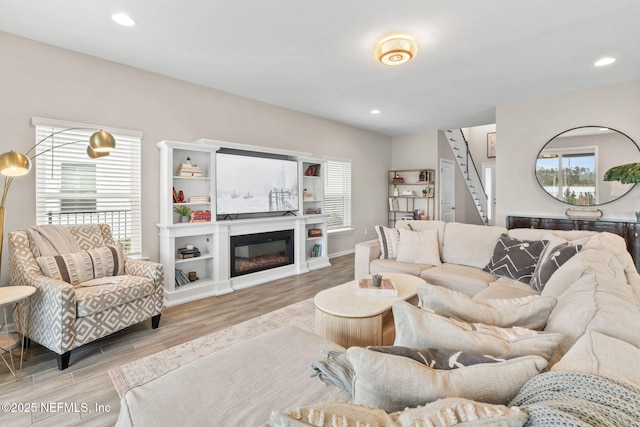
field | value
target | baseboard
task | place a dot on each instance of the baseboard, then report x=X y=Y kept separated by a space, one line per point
x=337 y=254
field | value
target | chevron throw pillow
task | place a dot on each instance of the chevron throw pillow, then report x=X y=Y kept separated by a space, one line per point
x=515 y=258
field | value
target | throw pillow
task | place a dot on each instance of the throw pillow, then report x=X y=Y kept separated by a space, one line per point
x=419 y=247
x=420 y=328
x=394 y=382
x=448 y=412
x=388 y=239
x=107 y=261
x=79 y=267
x=557 y=256
x=529 y=312
x=72 y=268
x=515 y=258
x=440 y=359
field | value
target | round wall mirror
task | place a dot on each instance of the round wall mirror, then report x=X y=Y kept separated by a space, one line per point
x=571 y=165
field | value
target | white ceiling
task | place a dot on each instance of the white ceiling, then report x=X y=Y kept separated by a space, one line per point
x=317 y=56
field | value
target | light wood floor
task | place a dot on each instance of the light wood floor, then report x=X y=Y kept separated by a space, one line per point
x=87 y=382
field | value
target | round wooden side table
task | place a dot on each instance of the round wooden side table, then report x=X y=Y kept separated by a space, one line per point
x=10 y=296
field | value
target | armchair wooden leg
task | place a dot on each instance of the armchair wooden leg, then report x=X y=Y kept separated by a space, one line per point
x=63 y=360
x=155 y=321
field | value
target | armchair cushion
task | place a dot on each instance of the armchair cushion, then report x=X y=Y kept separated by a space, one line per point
x=95 y=299
x=78 y=267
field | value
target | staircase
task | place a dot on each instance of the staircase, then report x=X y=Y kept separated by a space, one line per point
x=460 y=148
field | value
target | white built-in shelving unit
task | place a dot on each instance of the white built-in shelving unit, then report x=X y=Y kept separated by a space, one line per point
x=212 y=238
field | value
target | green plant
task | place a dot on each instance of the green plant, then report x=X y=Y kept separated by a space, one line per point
x=183 y=210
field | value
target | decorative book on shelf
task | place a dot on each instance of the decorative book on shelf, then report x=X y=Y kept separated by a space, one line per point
x=315 y=232
x=200 y=216
x=188 y=169
x=386 y=289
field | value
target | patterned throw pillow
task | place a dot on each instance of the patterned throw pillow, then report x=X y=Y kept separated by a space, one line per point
x=514 y=258
x=388 y=238
x=78 y=267
x=557 y=256
x=393 y=383
x=448 y=412
x=440 y=359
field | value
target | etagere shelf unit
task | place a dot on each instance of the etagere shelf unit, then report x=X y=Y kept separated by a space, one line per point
x=411 y=194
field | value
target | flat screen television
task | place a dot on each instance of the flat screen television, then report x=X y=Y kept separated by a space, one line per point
x=246 y=184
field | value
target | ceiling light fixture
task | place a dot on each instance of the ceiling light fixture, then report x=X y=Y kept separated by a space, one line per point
x=396 y=50
x=123 y=19
x=604 y=61
x=375 y=111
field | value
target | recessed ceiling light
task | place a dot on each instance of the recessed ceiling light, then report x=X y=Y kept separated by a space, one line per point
x=396 y=50
x=123 y=19
x=604 y=61
x=375 y=111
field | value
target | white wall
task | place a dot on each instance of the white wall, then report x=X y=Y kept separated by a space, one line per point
x=44 y=81
x=523 y=128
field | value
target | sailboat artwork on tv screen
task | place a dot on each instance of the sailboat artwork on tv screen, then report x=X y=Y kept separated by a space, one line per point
x=248 y=184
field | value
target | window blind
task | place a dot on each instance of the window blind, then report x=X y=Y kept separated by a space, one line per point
x=72 y=188
x=337 y=194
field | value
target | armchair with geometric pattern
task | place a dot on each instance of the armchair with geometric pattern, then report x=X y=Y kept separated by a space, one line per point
x=84 y=294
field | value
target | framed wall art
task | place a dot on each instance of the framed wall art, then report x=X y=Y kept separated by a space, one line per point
x=491 y=144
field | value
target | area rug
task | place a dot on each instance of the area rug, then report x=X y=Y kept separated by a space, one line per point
x=141 y=371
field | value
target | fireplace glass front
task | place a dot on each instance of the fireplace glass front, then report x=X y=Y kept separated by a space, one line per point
x=261 y=251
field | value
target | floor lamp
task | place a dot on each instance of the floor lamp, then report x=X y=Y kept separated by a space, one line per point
x=14 y=164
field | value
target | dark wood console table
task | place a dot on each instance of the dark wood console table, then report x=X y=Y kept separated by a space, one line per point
x=628 y=230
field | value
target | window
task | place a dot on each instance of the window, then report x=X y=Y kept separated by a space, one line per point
x=337 y=194
x=570 y=174
x=72 y=188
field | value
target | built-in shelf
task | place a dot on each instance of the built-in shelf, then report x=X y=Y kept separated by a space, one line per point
x=212 y=238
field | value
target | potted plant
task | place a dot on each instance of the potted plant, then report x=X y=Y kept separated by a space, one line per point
x=184 y=212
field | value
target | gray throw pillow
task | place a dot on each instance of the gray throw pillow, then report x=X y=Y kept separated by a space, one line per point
x=557 y=256
x=441 y=359
x=515 y=258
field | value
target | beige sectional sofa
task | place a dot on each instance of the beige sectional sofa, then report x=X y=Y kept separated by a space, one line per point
x=594 y=315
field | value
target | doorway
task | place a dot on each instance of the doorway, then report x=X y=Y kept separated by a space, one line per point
x=489 y=184
x=447 y=191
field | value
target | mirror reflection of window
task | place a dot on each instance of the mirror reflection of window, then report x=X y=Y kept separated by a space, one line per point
x=570 y=166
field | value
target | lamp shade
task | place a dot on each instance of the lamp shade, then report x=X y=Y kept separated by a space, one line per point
x=102 y=142
x=13 y=163
x=95 y=154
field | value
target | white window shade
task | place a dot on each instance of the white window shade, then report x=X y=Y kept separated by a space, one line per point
x=72 y=188
x=337 y=194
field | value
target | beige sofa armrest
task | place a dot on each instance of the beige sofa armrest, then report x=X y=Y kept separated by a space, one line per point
x=365 y=253
x=150 y=269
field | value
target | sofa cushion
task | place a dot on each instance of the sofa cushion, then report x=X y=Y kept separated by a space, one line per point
x=420 y=328
x=461 y=278
x=388 y=239
x=392 y=266
x=528 y=312
x=120 y=290
x=469 y=244
x=447 y=412
x=515 y=258
x=600 y=300
x=78 y=267
x=505 y=288
x=554 y=259
x=393 y=382
x=419 y=247
x=601 y=354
